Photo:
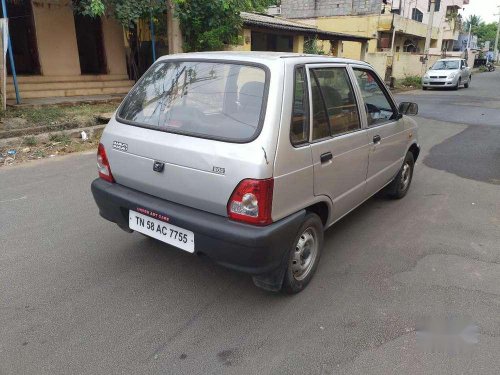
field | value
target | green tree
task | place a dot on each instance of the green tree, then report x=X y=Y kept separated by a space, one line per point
x=210 y=25
x=474 y=21
x=128 y=13
x=486 y=32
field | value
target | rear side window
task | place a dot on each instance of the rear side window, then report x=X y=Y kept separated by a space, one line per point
x=321 y=126
x=206 y=99
x=333 y=91
x=299 y=128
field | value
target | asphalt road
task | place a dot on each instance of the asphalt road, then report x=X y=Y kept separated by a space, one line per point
x=80 y=296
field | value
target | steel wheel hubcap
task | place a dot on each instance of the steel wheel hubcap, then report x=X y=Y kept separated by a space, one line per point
x=304 y=254
x=405 y=176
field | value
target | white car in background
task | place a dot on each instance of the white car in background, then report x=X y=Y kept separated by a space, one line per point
x=451 y=73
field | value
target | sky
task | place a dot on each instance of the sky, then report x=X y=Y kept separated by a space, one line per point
x=484 y=8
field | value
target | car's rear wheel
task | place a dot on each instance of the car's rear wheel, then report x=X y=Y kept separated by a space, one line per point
x=304 y=256
x=399 y=187
x=467 y=84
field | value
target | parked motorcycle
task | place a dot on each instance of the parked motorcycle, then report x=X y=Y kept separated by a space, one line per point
x=490 y=66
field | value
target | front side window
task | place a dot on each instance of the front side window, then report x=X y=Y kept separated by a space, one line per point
x=207 y=99
x=377 y=105
x=299 y=128
x=333 y=92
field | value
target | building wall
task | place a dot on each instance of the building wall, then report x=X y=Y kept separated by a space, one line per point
x=246 y=40
x=363 y=17
x=354 y=25
x=57 y=45
x=322 y=8
x=114 y=46
x=245 y=44
x=56 y=39
x=404 y=64
x=447 y=30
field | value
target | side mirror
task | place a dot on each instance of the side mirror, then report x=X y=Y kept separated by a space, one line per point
x=408 y=108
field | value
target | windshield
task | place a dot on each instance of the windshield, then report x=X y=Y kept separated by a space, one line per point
x=446 y=65
x=206 y=99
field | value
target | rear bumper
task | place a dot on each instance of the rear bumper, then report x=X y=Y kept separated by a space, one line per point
x=246 y=248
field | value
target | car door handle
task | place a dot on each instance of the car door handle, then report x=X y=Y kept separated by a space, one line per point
x=377 y=139
x=326 y=157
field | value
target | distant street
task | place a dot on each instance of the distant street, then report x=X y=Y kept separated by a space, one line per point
x=80 y=296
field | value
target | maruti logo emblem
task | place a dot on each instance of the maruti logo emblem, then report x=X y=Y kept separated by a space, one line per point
x=158 y=166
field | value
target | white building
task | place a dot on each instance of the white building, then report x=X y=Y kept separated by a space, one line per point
x=446 y=18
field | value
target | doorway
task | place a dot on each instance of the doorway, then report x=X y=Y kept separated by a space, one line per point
x=89 y=38
x=23 y=38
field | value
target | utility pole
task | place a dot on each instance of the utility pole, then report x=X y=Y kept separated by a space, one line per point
x=429 y=32
x=496 y=40
x=468 y=38
x=429 y=27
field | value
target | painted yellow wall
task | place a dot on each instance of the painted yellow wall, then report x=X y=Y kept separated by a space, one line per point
x=369 y=26
x=246 y=42
x=57 y=45
x=56 y=39
x=298 y=43
x=114 y=46
x=405 y=64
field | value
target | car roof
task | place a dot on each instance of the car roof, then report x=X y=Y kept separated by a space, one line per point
x=261 y=56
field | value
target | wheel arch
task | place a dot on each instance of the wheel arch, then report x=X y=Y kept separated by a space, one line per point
x=415 y=150
x=323 y=209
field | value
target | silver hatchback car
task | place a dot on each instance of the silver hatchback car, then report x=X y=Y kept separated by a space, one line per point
x=448 y=73
x=248 y=157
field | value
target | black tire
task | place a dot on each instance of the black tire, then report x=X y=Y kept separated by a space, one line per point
x=294 y=282
x=399 y=187
x=458 y=84
x=467 y=84
x=424 y=88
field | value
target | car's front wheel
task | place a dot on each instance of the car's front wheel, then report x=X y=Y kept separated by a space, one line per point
x=304 y=256
x=399 y=187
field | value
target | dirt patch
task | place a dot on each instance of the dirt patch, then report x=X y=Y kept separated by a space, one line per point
x=52 y=145
x=23 y=121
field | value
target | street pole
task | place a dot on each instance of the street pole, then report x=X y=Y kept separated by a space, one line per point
x=11 y=56
x=496 y=40
x=468 y=38
x=429 y=32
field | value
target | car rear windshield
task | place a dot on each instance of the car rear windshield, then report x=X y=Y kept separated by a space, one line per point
x=446 y=65
x=214 y=100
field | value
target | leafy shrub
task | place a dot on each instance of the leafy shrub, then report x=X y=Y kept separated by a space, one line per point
x=411 y=81
x=30 y=141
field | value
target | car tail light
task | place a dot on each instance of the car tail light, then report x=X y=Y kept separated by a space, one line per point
x=103 y=164
x=251 y=202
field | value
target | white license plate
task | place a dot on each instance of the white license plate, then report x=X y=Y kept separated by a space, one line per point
x=168 y=233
